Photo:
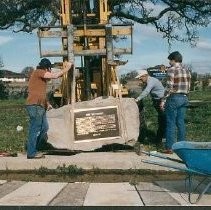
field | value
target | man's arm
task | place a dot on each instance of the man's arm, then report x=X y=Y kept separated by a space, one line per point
x=169 y=87
x=169 y=84
x=51 y=75
x=189 y=80
x=145 y=92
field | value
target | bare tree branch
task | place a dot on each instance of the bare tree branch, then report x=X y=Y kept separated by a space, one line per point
x=176 y=20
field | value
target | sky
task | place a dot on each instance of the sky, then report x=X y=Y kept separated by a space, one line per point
x=19 y=50
x=151 y=49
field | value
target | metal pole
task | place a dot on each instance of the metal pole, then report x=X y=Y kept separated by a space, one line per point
x=87 y=78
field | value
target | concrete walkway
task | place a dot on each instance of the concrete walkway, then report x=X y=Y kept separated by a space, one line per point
x=100 y=160
x=16 y=193
x=94 y=194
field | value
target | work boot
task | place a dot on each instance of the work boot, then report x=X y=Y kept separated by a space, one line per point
x=37 y=156
x=167 y=151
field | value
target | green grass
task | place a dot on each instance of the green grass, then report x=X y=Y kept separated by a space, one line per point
x=198 y=119
x=13 y=113
x=201 y=95
x=12 y=102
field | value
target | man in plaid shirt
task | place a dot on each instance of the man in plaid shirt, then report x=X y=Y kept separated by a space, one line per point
x=178 y=86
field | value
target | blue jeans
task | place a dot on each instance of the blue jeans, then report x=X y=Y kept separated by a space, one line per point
x=175 y=109
x=161 y=131
x=38 y=127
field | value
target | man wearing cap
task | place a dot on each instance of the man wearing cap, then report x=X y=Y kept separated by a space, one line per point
x=156 y=90
x=178 y=86
x=37 y=104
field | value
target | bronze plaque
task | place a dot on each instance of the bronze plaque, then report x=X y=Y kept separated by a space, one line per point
x=96 y=123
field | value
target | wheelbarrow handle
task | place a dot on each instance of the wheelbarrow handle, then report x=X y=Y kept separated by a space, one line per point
x=184 y=169
x=162 y=156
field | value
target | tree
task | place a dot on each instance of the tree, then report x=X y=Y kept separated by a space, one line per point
x=27 y=71
x=22 y=15
x=194 y=77
x=1 y=63
x=205 y=81
x=125 y=77
x=4 y=93
x=175 y=19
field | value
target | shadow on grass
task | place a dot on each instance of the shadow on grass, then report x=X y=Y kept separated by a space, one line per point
x=113 y=147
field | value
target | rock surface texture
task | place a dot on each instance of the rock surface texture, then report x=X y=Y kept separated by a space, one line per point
x=63 y=133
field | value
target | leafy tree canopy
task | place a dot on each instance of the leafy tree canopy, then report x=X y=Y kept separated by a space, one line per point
x=175 y=19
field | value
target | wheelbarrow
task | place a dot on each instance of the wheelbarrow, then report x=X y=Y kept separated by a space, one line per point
x=195 y=160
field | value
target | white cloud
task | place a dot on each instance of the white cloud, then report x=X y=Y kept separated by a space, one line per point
x=157 y=8
x=144 y=32
x=204 y=44
x=4 y=39
x=202 y=66
x=141 y=60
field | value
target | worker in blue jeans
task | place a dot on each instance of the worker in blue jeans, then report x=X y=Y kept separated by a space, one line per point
x=37 y=105
x=38 y=127
x=175 y=109
x=178 y=86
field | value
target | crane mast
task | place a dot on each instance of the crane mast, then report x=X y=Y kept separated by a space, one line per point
x=87 y=36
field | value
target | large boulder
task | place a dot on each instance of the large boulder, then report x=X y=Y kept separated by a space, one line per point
x=91 y=124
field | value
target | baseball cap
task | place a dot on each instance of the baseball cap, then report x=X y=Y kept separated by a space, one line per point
x=45 y=63
x=141 y=73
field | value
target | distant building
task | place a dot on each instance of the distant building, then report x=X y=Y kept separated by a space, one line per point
x=9 y=76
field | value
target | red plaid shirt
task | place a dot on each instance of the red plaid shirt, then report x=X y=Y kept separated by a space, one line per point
x=178 y=80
